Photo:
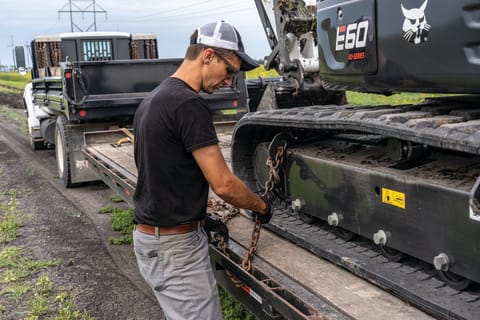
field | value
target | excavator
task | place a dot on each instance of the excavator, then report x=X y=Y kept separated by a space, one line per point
x=389 y=193
x=403 y=178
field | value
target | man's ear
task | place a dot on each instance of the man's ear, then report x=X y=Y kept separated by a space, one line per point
x=208 y=55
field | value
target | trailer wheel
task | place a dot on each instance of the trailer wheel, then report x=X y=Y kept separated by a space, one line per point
x=62 y=154
x=37 y=144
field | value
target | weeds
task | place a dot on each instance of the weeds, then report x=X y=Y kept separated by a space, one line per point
x=39 y=306
x=105 y=210
x=116 y=198
x=35 y=297
x=231 y=308
x=27 y=294
x=16 y=292
x=66 y=311
x=14 y=117
x=122 y=220
x=10 y=218
x=15 y=265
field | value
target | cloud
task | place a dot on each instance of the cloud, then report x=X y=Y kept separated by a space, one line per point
x=172 y=22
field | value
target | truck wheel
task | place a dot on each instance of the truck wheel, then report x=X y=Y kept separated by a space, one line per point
x=62 y=154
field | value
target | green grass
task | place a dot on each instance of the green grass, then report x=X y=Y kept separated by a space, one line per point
x=122 y=221
x=11 y=218
x=14 y=79
x=116 y=198
x=261 y=72
x=11 y=116
x=15 y=265
x=357 y=98
x=231 y=308
x=25 y=286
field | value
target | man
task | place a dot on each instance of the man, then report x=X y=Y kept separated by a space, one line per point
x=178 y=158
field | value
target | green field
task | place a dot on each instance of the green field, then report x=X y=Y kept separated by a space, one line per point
x=13 y=82
x=261 y=72
x=358 y=98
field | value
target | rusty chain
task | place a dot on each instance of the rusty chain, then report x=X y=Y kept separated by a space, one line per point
x=219 y=208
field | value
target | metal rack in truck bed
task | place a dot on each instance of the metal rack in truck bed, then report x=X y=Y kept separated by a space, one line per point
x=94 y=81
x=287 y=282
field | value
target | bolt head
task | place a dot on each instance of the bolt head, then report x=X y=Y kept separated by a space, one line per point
x=441 y=262
x=333 y=219
x=380 y=238
x=296 y=205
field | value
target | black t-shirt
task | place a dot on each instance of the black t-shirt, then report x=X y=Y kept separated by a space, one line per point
x=169 y=124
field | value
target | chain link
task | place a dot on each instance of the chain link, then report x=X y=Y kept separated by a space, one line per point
x=227 y=211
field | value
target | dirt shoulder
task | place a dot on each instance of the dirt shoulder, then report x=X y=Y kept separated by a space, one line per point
x=63 y=225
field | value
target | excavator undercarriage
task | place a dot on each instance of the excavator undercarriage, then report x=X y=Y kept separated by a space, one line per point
x=388 y=192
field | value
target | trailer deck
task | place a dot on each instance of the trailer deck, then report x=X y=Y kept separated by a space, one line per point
x=288 y=282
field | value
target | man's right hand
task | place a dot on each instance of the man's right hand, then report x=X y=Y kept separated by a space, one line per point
x=263 y=217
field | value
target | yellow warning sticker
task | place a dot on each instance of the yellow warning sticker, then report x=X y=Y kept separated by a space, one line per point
x=393 y=198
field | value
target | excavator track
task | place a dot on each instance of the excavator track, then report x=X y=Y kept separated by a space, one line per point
x=413 y=281
x=449 y=125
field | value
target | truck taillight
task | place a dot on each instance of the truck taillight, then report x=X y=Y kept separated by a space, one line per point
x=82 y=113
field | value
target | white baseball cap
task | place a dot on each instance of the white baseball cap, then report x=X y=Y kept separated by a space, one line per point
x=223 y=35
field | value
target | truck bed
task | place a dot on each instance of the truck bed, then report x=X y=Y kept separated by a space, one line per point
x=288 y=281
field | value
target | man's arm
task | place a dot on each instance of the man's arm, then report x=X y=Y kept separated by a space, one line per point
x=223 y=182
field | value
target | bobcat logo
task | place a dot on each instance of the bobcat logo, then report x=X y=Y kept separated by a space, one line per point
x=415 y=24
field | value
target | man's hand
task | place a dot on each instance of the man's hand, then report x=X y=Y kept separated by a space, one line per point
x=263 y=217
x=215 y=225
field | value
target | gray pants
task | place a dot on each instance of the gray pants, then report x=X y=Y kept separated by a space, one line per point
x=179 y=271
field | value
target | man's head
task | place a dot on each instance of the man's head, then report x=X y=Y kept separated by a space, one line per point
x=215 y=55
x=224 y=39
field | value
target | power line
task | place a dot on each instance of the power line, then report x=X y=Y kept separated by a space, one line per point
x=73 y=8
x=216 y=11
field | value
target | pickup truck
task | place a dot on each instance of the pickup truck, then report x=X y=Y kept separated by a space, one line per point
x=94 y=81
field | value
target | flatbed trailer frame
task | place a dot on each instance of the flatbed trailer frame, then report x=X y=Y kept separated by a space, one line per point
x=262 y=295
x=269 y=292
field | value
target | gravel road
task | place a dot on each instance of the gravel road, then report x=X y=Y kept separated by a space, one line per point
x=64 y=225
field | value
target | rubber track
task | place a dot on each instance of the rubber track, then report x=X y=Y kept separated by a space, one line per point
x=445 y=124
x=413 y=281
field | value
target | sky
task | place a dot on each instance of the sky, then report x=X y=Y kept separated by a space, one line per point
x=172 y=21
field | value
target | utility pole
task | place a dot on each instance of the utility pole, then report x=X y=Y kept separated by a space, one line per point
x=91 y=7
x=13 y=51
x=28 y=58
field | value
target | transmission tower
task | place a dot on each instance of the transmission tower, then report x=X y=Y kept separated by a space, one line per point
x=91 y=7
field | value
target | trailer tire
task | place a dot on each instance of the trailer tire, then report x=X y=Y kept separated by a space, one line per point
x=62 y=155
x=37 y=144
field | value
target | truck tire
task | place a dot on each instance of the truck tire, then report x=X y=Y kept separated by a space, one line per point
x=62 y=153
